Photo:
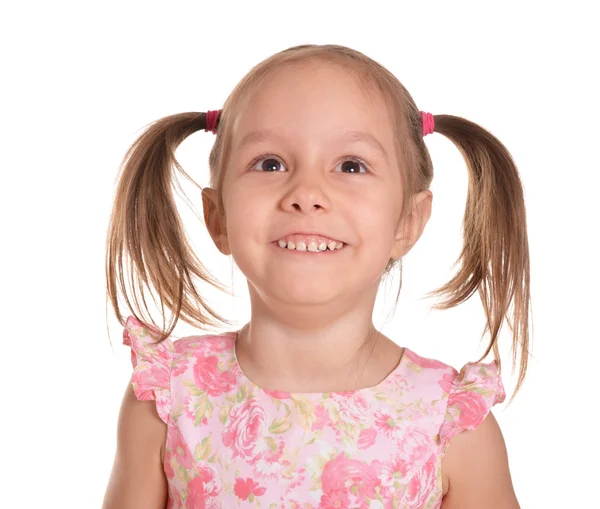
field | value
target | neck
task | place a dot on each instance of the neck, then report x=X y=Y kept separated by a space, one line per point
x=314 y=350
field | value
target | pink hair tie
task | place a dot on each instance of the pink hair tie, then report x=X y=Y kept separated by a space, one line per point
x=212 y=117
x=428 y=123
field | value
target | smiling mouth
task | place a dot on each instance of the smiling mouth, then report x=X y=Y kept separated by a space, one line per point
x=310 y=246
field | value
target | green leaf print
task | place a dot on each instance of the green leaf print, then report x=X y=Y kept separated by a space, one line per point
x=177 y=413
x=203 y=449
x=183 y=474
x=241 y=393
x=312 y=440
x=193 y=389
x=280 y=425
x=224 y=414
x=224 y=463
x=306 y=412
x=271 y=444
x=386 y=398
x=201 y=407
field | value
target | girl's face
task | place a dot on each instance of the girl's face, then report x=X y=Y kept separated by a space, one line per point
x=312 y=153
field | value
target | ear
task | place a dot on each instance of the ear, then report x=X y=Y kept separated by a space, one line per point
x=411 y=228
x=214 y=220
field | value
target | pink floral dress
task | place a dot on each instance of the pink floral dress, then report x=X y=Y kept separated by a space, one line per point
x=231 y=444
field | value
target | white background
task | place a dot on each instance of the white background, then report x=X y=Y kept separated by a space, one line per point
x=80 y=82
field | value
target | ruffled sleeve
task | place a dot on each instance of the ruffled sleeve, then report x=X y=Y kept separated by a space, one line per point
x=472 y=394
x=152 y=361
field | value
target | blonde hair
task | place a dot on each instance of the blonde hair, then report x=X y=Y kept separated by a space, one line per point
x=146 y=230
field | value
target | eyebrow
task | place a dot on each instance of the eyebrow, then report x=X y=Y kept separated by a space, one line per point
x=359 y=136
x=352 y=136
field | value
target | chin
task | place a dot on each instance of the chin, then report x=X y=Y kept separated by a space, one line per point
x=303 y=293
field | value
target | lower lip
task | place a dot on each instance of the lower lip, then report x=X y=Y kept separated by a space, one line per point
x=327 y=252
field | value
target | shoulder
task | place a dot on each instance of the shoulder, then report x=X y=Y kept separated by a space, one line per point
x=156 y=364
x=435 y=377
x=143 y=340
x=426 y=362
x=465 y=421
x=477 y=469
x=474 y=456
x=206 y=344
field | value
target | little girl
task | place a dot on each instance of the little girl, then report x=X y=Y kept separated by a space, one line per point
x=319 y=185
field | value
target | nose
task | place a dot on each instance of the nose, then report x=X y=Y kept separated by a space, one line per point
x=307 y=197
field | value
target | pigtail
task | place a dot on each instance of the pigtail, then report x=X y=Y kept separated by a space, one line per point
x=495 y=256
x=146 y=233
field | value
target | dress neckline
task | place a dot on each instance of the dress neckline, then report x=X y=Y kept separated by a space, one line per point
x=308 y=395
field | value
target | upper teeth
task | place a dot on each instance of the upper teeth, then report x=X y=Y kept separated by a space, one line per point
x=311 y=245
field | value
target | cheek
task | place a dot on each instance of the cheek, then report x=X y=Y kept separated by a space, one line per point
x=378 y=222
x=376 y=216
x=244 y=216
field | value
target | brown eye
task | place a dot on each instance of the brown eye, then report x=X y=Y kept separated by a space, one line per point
x=352 y=166
x=268 y=164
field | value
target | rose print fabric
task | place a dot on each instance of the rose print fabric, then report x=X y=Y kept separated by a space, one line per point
x=231 y=444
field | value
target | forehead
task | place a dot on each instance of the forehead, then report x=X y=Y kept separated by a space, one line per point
x=313 y=99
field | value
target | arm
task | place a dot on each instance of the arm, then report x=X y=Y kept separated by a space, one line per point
x=476 y=464
x=137 y=479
